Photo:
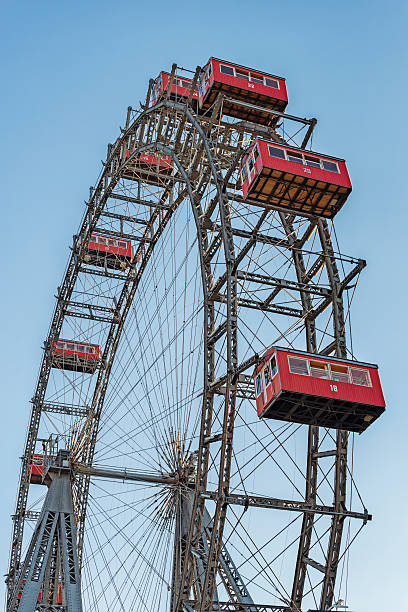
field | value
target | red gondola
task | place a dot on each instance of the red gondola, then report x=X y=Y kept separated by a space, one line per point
x=110 y=252
x=245 y=85
x=37 y=469
x=315 y=390
x=295 y=179
x=76 y=356
x=180 y=88
x=149 y=168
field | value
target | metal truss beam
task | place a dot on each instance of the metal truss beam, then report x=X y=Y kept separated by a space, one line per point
x=132 y=200
x=257 y=305
x=91 y=312
x=122 y=235
x=231 y=578
x=305 y=121
x=282 y=283
x=59 y=408
x=90 y=317
x=341 y=286
x=309 y=133
x=87 y=270
x=230 y=606
x=258 y=237
x=245 y=387
x=125 y=218
x=314 y=269
x=31 y=515
x=124 y=474
x=232 y=196
x=91 y=307
x=258 y=501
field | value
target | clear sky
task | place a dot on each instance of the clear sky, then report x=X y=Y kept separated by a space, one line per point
x=68 y=72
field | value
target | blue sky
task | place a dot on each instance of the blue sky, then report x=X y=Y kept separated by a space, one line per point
x=69 y=71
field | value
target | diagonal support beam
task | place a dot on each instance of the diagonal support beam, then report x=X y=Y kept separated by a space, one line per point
x=232 y=580
x=228 y=571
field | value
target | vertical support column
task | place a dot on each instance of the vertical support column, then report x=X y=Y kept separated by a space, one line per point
x=340 y=478
x=333 y=549
x=308 y=519
x=313 y=434
x=334 y=278
x=55 y=534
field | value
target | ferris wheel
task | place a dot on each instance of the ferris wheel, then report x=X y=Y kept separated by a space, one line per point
x=189 y=440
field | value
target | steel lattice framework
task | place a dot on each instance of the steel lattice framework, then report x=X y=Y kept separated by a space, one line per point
x=265 y=275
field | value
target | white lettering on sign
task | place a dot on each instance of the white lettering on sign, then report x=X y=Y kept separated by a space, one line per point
x=307 y=170
x=251 y=85
x=333 y=387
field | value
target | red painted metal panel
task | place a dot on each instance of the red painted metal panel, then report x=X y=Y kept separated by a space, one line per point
x=258 y=165
x=147 y=159
x=78 y=350
x=158 y=88
x=322 y=387
x=332 y=388
x=206 y=80
x=165 y=163
x=340 y=178
x=37 y=469
x=280 y=94
x=269 y=391
x=259 y=88
x=177 y=89
x=114 y=248
x=265 y=160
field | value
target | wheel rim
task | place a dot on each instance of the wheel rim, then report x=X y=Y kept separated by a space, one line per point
x=223 y=314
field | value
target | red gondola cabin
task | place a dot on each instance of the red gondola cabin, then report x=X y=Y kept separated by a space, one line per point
x=37 y=469
x=148 y=168
x=316 y=390
x=110 y=252
x=294 y=179
x=76 y=356
x=244 y=85
x=180 y=88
